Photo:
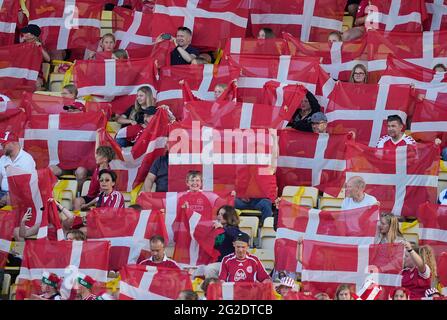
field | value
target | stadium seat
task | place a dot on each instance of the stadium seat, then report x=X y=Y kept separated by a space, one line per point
x=65 y=192
x=85 y=187
x=12 y=291
x=169 y=252
x=249 y=225
x=249 y=212
x=410 y=231
x=268 y=234
x=267 y=257
x=49 y=93
x=348 y=22
x=308 y=197
x=328 y=202
x=106 y=22
x=46 y=67
x=113 y=127
x=127 y=199
x=442 y=179
x=6 y=284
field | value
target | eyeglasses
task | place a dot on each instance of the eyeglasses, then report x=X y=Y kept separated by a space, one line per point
x=105 y=180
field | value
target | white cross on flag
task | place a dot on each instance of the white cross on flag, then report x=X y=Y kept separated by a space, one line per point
x=353 y=227
x=151 y=283
x=7 y=225
x=433 y=227
x=287 y=95
x=271 y=47
x=400 y=179
x=327 y=265
x=311 y=159
x=240 y=291
x=211 y=23
x=364 y=109
x=66 y=140
x=130 y=240
x=309 y=20
x=436 y=15
x=132 y=29
x=8 y=20
x=61 y=257
x=67 y=24
x=430 y=121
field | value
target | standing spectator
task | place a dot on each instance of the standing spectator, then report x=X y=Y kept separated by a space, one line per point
x=388 y=230
x=13 y=156
x=184 y=53
x=242 y=266
x=395 y=137
x=75 y=235
x=400 y=294
x=120 y=54
x=343 y=292
x=359 y=74
x=266 y=33
x=262 y=204
x=319 y=122
x=301 y=119
x=158 y=174
x=352 y=6
x=158 y=256
x=356 y=196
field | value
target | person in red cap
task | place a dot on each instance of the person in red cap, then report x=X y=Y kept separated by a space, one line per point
x=13 y=156
x=49 y=287
x=84 y=286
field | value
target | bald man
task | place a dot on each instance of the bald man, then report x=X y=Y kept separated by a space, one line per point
x=356 y=196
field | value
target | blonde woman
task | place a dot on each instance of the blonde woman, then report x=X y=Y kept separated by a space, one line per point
x=388 y=230
x=343 y=292
x=359 y=74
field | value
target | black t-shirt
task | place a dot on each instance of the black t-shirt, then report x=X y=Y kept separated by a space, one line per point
x=139 y=117
x=176 y=57
x=160 y=169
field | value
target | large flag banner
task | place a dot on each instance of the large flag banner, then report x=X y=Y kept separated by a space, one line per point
x=7 y=224
x=9 y=10
x=67 y=24
x=307 y=20
x=12 y=120
x=51 y=227
x=400 y=179
x=271 y=47
x=436 y=15
x=433 y=228
x=311 y=159
x=430 y=122
x=240 y=291
x=283 y=95
x=150 y=283
x=352 y=227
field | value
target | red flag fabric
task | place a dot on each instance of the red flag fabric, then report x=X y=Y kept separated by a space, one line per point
x=240 y=291
x=130 y=240
x=433 y=228
x=277 y=94
x=61 y=258
x=240 y=159
x=436 y=15
x=9 y=10
x=194 y=236
x=229 y=94
x=66 y=140
x=50 y=227
x=7 y=225
x=308 y=20
x=19 y=66
x=430 y=122
x=201 y=79
x=226 y=19
x=400 y=179
x=327 y=265
x=364 y=108
x=132 y=29
x=67 y=24
x=442 y=267
x=353 y=227
x=13 y=120
x=150 y=283
x=311 y=159
x=271 y=47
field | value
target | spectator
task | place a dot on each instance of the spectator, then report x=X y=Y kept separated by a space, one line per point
x=343 y=292
x=158 y=256
x=301 y=119
x=388 y=230
x=419 y=271
x=184 y=53
x=70 y=91
x=13 y=156
x=106 y=44
x=120 y=54
x=219 y=89
x=335 y=36
x=84 y=286
x=103 y=156
x=432 y=293
x=242 y=266
x=442 y=199
x=228 y=220
x=400 y=294
x=128 y=137
x=322 y=296
x=262 y=204
x=75 y=235
x=158 y=174
x=359 y=74
x=356 y=196
x=395 y=137
x=188 y=295
x=285 y=286
x=440 y=68
x=108 y=197
x=205 y=284
x=352 y=6
x=319 y=122
x=358 y=30
x=266 y=33
x=50 y=282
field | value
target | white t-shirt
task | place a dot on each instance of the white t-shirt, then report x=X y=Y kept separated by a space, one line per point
x=23 y=161
x=349 y=203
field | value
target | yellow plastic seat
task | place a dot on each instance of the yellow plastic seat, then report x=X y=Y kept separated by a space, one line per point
x=304 y=196
x=85 y=187
x=250 y=212
x=268 y=234
x=65 y=192
x=348 y=22
x=267 y=257
x=6 y=284
x=249 y=225
x=169 y=251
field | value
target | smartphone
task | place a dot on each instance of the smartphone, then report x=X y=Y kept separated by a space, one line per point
x=166 y=36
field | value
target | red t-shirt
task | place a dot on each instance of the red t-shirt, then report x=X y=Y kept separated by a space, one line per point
x=249 y=269
x=387 y=143
x=361 y=12
x=199 y=203
x=166 y=263
x=113 y=200
x=416 y=282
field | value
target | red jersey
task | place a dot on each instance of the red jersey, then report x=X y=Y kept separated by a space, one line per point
x=113 y=200
x=166 y=263
x=416 y=282
x=387 y=143
x=93 y=189
x=249 y=269
x=199 y=202
x=361 y=12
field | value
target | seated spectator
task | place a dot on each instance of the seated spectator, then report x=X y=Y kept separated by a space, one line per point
x=440 y=68
x=205 y=284
x=262 y=204
x=266 y=33
x=322 y=296
x=442 y=199
x=83 y=286
x=14 y=156
x=129 y=136
x=356 y=196
x=184 y=53
x=335 y=36
x=103 y=156
x=359 y=28
x=242 y=266
x=301 y=119
x=158 y=174
x=158 y=256
x=395 y=137
x=432 y=293
x=106 y=45
x=359 y=74
x=400 y=294
x=388 y=230
x=199 y=60
x=120 y=54
x=48 y=287
x=285 y=286
x=75 y=235
x=319 y=122
x=420 y=272
x=108 y=197
x=70 y=91
x=343 y=292
x=228 y=220
x=188 y=295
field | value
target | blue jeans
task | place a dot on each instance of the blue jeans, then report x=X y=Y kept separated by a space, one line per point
x=262 y=204
x=444 y=154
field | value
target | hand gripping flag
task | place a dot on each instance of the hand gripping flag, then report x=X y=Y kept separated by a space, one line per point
x=8 y=21
x=240 y=291
x=433 y=228
x=7 y=225
x=51 y=227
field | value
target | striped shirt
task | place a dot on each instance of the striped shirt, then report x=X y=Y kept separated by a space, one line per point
x=113 y=200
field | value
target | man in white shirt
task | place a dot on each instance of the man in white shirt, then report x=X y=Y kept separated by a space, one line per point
x=14 y=156
x=356 y=196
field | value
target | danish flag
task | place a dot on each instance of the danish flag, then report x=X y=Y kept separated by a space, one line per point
x=240 y=291
x=132 y=29
x=50 y=226
x=437 y=15
x=277 y=94
x=7 y=225
x=433 y=227
x=8 y=20
x=430 y=121
x=271 y=47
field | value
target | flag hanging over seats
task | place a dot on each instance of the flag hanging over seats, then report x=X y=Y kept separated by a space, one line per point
x=9 y=10
x=7 y=224
x=433 y=227
x=430 y=122
x=271 y=47
x=436 y=15
x=240 y=291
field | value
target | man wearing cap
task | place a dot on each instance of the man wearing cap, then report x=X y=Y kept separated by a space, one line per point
x=319 y=122
x=242 y=266
x=31 y=34
x=13 y=156
x=50 y=282
x=84 y=286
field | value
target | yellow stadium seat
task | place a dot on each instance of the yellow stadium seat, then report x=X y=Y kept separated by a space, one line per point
x=46 y=70
x=249 y=225
x=348 y=22
x=328 y=202
x=12 y=292
x=250 y=212
x=267 y=257
x=268 y=234
x=304 y=196
x=6 y=284
x=169 y=252
x=49 y=93
x=65 y=192
x=113 y=127
x=55 y=81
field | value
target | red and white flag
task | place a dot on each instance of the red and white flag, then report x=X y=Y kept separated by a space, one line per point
x=240 y=291
x=242 y=159
x=352 y=227
x=327 y=265
x=7 y=224
x=396 y=15
x=442 y=268
x=226 y=19
x=19 y=66
x=287 y=95
x=194 y=236
x=364 y=109
x=12 y=120
x=433 y=227
x=308 y=20
x=370 y=291
x=429 y=122
x=201 y=79
x=270 y=47
x=66 y=140
x=436 y=15
x=50 y=227
x=400 y=179
x=9 y=10
x=151 y=283
x=132 y=29
x=67 y=24
x=62 y=258
x=130 y=240
x=311 y=159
